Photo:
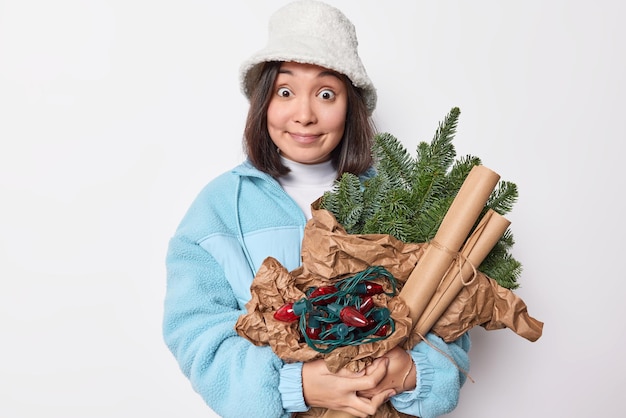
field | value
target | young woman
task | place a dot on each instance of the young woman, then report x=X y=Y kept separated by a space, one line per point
x=309 y=121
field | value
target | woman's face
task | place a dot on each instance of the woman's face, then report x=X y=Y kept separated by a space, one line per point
x=307 y=112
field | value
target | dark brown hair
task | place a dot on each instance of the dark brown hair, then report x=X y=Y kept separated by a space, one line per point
x=352 y=155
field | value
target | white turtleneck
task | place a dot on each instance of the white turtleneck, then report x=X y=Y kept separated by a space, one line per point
x=305 y=183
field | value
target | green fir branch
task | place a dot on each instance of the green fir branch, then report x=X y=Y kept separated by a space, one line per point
x=392 y=158
x=503 y=197
x=408 y=197
x=440 y=152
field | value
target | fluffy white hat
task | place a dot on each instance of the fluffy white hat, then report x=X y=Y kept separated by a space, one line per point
x=311 y=32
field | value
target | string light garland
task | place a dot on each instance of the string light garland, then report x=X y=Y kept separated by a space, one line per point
x=344 y=313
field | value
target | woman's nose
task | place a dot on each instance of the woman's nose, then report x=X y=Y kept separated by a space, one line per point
x=304 y=112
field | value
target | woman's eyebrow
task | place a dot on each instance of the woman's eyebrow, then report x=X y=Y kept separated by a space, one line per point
x=327 y=73
x=323 y=73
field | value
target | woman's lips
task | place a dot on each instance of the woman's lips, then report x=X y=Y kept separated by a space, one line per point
x=304 y=138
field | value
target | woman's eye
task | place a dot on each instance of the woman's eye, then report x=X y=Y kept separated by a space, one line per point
x=327 y=94
x=284 y=92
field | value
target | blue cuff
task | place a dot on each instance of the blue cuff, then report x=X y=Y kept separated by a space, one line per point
x=425 y=376
x=440 y=369
x=290 y=388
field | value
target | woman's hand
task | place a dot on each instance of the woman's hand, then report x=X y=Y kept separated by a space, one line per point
x=342 y=391
x=401 y=374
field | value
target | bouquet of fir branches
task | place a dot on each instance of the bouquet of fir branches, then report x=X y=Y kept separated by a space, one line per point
x=433 y=223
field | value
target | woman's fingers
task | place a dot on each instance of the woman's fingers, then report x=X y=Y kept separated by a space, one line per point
x=338 y=391
x=381 y=398
x=400 y=374
x=366 y=407
x=373 y=375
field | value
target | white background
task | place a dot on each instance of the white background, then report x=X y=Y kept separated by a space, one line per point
x=113 y=115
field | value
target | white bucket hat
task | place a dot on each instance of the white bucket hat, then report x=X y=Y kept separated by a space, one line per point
x=311 y=32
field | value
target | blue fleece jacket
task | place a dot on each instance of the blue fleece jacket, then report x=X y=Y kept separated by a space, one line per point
x=237 y=220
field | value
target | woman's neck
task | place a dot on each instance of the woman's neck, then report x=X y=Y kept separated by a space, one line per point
x=305 y=183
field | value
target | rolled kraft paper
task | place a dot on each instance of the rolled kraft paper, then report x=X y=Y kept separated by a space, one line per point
x=491 y=227
x=453 y=231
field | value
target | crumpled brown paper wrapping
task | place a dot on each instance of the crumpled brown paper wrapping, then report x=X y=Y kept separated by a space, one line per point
x=489 y=305
x=330 y=254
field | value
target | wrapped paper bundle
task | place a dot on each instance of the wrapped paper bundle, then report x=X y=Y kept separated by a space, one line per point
x=490 y=229
x=438 y=261
x=466 y=296
x=329 y=253
x=452 y=233
x=441 y=290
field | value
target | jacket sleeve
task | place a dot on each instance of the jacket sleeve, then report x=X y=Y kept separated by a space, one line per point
x=441 y=372
x=234 y=377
